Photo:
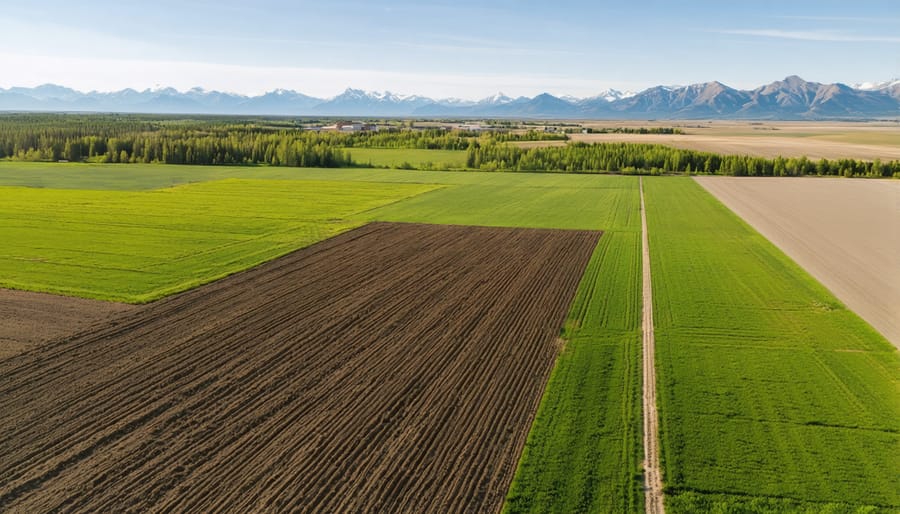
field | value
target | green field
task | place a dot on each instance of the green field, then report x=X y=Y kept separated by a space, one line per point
x=607 y=203
x=140 y=246
x=584 y=451
x=773 y=396
x=142 y=177
x=408 y=158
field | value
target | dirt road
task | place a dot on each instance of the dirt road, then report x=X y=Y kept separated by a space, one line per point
x=844 y=232
x=393 y=368
x=652 y=474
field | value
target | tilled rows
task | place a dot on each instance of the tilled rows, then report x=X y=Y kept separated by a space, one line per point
x=393 y=368
x=28 y=319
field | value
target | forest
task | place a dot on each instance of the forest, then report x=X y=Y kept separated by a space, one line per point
x=284 y=142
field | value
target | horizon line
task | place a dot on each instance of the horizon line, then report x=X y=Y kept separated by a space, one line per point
x=385 y=92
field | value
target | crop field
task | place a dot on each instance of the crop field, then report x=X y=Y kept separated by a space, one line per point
x=392 y=368
x=140 y=246
x=601 y=356
x=405 y=157
x=839 y=230
x=584 y=452
x=773 y=397
x=610 y=204
x=145 y=177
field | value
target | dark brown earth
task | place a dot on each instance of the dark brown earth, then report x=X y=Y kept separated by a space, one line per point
x=28 y=319
x=394 y=368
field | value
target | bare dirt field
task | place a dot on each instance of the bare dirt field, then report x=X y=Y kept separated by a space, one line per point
x=814 y=139
x=761 y=146
x=28 y=319
x=845 y=232
x=393 y=368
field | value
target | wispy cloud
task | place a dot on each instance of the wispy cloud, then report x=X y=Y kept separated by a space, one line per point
x=86 y=73
x=811 y=35
x=487 y=50
x=860 y=19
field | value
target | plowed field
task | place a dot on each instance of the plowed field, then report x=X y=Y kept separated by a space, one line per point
x=27 y=319
x=392 y=368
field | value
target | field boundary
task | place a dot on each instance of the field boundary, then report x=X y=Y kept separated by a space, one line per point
x=652 y=476
x=835 y=229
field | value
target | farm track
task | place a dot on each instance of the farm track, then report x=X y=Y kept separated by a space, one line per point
x=395 y=368
x=653 y=488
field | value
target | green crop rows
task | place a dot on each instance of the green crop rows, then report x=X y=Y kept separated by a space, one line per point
x=584 y=451
x=773 y=396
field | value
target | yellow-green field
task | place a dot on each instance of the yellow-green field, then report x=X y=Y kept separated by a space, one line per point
x=137 y=246
x=408 y=158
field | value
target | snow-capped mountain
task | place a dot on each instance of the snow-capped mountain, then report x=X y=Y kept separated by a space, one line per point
x=791 y=98
x=356 y=102
x=496 y=99
x=876 y=86
x=610 y=95
x=891 y=87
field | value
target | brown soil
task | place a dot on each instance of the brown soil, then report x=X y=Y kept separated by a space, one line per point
x=761 y=146
x=28 y=319
x=844 y=232
x=394 y=368
x=815 y=141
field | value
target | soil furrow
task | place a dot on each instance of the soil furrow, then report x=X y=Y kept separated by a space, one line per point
x=395 y=367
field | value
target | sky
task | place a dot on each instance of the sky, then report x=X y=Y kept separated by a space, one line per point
x=453 y=48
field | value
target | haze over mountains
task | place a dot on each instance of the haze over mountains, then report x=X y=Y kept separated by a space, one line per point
x=790 y=99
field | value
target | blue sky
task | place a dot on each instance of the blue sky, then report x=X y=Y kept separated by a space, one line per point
x=459 y=48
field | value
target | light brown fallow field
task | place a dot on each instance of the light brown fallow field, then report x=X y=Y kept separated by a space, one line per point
x=813 y=139
x=768 y=147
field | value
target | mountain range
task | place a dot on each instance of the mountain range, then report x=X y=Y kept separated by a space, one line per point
x=790 y=99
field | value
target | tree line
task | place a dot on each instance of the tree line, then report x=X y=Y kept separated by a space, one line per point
x=656 y=159
x=284 y=142
x=138 y=139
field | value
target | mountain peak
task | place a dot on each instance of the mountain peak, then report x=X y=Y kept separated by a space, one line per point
x=877 y=86
x=791 y=98
x=498 y=98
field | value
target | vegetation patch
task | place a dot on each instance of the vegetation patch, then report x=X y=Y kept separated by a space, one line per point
x=404 y=158
x=140 y=246
x=767 y=401
x=584 y=451
x=609 y=203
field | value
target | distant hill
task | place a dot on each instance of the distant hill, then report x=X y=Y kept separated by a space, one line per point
x=790 y=99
